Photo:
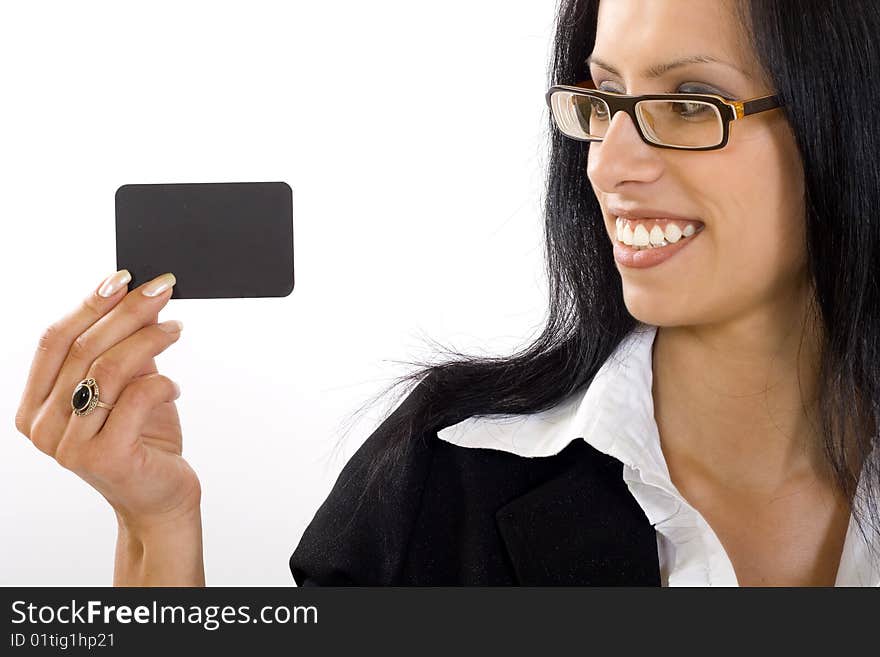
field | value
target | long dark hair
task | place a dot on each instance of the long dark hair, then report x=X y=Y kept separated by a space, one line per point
x=824 y=63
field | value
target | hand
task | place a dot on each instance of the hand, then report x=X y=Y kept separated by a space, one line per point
x=132 y=453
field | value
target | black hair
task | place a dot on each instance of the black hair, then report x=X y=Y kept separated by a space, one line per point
x=823 y=60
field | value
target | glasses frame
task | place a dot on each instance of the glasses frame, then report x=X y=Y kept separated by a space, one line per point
x=730 y=110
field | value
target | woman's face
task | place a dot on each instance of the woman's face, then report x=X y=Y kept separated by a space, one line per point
x=749 y=258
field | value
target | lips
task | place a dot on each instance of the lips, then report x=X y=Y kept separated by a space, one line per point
x=650 y=213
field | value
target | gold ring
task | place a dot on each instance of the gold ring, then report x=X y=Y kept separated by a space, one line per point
x=85 y=398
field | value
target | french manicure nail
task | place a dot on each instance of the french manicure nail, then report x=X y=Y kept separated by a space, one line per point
x=159 y=284
x=171 y=326
x=114 y=282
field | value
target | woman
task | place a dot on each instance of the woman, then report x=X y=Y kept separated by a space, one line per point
x=719 y=350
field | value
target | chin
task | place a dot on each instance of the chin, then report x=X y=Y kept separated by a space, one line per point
x=655 y=309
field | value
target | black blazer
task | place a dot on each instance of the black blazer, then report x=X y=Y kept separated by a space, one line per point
x=473 y=516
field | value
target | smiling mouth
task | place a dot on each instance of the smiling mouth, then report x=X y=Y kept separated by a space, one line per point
x=654 y=233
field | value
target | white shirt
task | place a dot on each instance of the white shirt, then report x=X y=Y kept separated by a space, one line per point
x=615 y=414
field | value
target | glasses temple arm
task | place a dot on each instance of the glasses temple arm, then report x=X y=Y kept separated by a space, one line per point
x=760 y=104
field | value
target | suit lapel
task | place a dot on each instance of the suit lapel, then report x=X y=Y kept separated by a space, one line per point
x=581 y=527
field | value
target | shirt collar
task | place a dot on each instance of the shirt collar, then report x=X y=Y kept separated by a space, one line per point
x=614 y=414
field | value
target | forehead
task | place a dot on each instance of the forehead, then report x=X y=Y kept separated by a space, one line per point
x=635 y=33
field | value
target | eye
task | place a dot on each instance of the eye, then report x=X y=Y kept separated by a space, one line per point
x=597 y=109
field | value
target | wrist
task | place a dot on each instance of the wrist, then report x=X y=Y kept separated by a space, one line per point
x=163 y=551
x=145 y=528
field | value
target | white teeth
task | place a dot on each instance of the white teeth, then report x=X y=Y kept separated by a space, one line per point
x=640 y=236
x=673 y=233
x=657 y=237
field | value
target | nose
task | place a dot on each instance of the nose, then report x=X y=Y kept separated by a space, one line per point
x=622 y=156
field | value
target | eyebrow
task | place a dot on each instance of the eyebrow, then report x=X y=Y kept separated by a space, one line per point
x=659 y=69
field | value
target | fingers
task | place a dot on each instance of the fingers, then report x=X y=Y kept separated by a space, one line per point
x=55 y=343
x=114 y=371
x=131 y=358
x=68 y=350
x=135 y=311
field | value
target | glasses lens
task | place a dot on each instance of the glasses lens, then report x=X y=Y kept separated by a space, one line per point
x=684 y=123
x=578 y=115
x=680 y=123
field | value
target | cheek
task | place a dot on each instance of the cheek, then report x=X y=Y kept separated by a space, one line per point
x=766 y=185
x=758 y=238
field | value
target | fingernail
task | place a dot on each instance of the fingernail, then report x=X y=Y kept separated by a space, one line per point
x=114 y=282
x=171 y=326
x=176 y=388
x=159 y=284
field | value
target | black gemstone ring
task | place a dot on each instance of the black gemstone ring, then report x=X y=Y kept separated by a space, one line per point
x=85 y=398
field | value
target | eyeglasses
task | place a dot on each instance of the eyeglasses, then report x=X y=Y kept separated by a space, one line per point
x=695 y=122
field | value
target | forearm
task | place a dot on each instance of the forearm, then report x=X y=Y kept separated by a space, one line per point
x=169 y=555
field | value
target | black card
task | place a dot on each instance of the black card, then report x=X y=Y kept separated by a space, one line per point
x=220 y=240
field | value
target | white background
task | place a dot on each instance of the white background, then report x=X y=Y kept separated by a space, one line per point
x=414 y=137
